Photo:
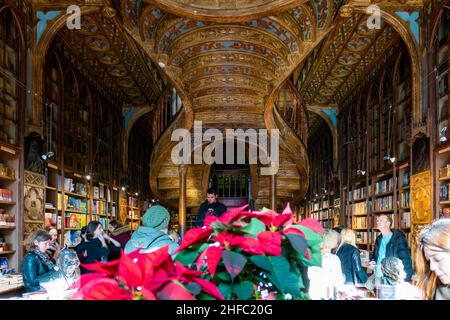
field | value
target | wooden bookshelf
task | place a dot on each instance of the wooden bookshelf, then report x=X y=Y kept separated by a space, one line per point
x=375 y=123
x=442 y=98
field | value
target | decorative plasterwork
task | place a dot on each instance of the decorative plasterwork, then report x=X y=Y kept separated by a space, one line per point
x=345 y=59
x=109 y=55
x=226 y=10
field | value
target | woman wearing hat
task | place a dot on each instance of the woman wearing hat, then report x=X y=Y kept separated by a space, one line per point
x=152 y=235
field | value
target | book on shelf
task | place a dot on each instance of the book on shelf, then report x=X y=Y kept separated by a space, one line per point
x=444 y=213
x=359 y=208
x=405 y=199
x=383 y=204
x=443 y=194
x=405 y=220
x=405 y=179
x=96 y=192
x=383 y=186
x=360 y=222
x=101 y=191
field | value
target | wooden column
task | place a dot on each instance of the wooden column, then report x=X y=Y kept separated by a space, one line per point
x=182 y=169
x=272 y=192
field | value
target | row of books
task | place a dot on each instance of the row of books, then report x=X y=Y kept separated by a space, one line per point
x=6 y=195
x=358 y=208
x=405 y=179
x=360 y=222
x=444 y=194
x=72 y=203
x=405 y=220
x=327 y=224
x=405 y=197
x=384 y=186
x=385 y=203
x=357 y=194
x=133 y=214
x=132 y=202
x=75 y=220
x=101 y=192
x=365 y=237
x=321 y=215
x=99 y=207
x=72 y=186
x=444 y=213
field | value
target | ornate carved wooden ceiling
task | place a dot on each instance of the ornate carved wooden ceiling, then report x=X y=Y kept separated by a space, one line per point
x=113 y=58
x=345 y=59
x=226 y=10
x=229 y=69
x=315 y=122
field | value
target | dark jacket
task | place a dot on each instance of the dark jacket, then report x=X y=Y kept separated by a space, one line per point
x=216 y=209
x=351 y=264
x=396 y=247
x=94 y=252
x=32 y=268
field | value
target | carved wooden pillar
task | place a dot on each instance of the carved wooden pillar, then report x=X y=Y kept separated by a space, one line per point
x=272 y=194
x=182 y=205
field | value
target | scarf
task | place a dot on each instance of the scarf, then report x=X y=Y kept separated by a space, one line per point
x=45 y=259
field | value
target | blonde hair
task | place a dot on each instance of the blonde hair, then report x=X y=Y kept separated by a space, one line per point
x=330 y=240
x=348 y=236
x=435 y=237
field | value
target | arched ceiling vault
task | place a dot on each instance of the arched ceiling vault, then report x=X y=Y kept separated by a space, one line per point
x=228 y=69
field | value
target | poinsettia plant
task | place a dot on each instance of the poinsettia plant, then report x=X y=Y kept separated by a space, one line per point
x=254 y=255
x=149 y=276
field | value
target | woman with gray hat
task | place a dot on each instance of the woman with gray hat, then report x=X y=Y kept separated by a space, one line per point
x=152 y=235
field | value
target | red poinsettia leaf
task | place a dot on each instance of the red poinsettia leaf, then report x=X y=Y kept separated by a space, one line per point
x=247 y=244
x=209 y=219
x=224 y=238
x=287 y=209
x=108 y=268
x=85 y=279
x=209 y=288
x=160 y=277
x=213 y=255
x=102 y=289
x=270 y=242
x=147 y=294
x=312 y=224
x=230 y=215
x=193 y=236
x=295 y=231
x=307 y=255
x=130 y=272
x=174 y=290
x=186 y=274
x=282 y=219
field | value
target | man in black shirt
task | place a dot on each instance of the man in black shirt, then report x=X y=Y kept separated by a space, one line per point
x=210 y=207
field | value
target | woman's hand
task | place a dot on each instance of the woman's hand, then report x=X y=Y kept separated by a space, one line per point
x=113 y=241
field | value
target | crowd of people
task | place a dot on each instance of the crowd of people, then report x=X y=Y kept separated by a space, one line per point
x=390 y=265
x=392 y=277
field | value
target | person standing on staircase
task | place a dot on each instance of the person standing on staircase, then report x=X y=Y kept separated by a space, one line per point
x=211 y=206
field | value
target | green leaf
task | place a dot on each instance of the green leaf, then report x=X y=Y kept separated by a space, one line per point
x=186 y=256
x=243 y=290
x=254 y=227
x=312 y=238
x=224 y=276
x=316 y=259
x=262 y=262
x=234 y=262
x=194 y=288
x=298 y=242
x=225 y=290
x=204 y=296
x=283 y=278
